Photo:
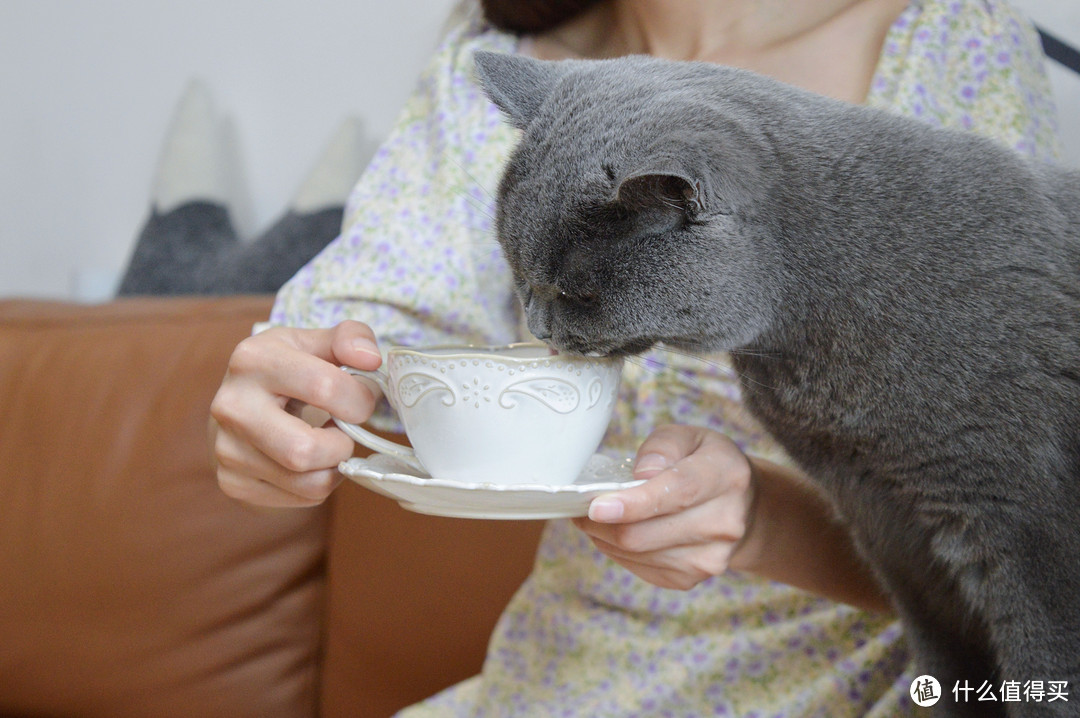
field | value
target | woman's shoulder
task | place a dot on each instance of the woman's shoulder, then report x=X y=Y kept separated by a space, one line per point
x=975 y=35
x=971 y=64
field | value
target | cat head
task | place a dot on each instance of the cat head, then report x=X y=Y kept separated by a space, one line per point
x=627 y=211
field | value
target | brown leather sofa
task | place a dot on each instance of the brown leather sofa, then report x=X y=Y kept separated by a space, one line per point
x=130 y=586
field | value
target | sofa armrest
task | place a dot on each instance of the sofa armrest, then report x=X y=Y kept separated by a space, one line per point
x=132 y=586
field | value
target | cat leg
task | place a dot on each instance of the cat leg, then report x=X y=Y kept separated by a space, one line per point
x=945 y=646
x=1031 y=606
x=949 y=640
x=1038 y=647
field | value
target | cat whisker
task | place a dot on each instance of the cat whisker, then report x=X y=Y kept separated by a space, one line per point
x=476 y=182
x=478 y=205
x=641 y=362
x=755 y=382
x=759 y=354
x=493 y=243
x=494 y=251
x=712 y=361
x=653 y=366
x=478 y=197
x=717 y=363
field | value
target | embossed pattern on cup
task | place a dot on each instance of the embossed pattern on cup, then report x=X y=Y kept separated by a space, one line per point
x=505 y=415
x=502 y=383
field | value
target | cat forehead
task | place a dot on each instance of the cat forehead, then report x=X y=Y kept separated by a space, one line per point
x=560 y=177
x=625 y=90
x=586 y=128
x=622 y=109
x=589 y=125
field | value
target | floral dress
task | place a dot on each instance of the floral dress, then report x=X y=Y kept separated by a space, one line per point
x=584 y=637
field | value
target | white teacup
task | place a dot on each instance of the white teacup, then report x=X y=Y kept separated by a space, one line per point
x=515 y=414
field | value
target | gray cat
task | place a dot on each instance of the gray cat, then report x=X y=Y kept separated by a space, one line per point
x=902 y=304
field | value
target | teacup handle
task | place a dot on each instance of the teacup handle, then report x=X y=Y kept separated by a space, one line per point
x=359 y=434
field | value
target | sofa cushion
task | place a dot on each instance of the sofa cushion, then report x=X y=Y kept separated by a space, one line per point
x=131 y=585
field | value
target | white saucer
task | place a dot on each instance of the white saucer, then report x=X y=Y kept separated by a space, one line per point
x=459 y=499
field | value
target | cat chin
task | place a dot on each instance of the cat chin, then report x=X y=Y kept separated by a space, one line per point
x=609 y=349
x=639 y=346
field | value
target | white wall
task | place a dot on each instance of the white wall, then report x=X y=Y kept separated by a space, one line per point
x=88 y=89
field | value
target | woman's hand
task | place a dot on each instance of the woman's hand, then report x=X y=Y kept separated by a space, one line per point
x=266 y=453
x=683 y=524
x=707 y=507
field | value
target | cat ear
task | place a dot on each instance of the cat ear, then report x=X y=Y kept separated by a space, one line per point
x=672 y=190
x=517 y=85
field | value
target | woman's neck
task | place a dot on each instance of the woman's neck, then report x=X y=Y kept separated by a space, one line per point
x=705 y=30
x=829 y=46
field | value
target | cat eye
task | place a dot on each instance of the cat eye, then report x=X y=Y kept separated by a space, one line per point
x=584 y=299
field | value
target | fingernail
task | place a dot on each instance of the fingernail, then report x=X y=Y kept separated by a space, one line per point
x=651 y=462
x=365 y=346
x=602 y=509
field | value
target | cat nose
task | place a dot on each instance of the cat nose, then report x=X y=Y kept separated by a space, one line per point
x=541 y=333
x=536 y=316
x=538 y=326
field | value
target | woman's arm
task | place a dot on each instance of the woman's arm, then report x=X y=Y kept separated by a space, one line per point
x=795 y=536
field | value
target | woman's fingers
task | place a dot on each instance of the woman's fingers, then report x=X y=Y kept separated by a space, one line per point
x=683 y=523
x=681 y=567
x=301 y=364
x=717 y=520
x=248 y=414
x=253 y=491
x=685 y=466
x=266 y=453
x=244 y=470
